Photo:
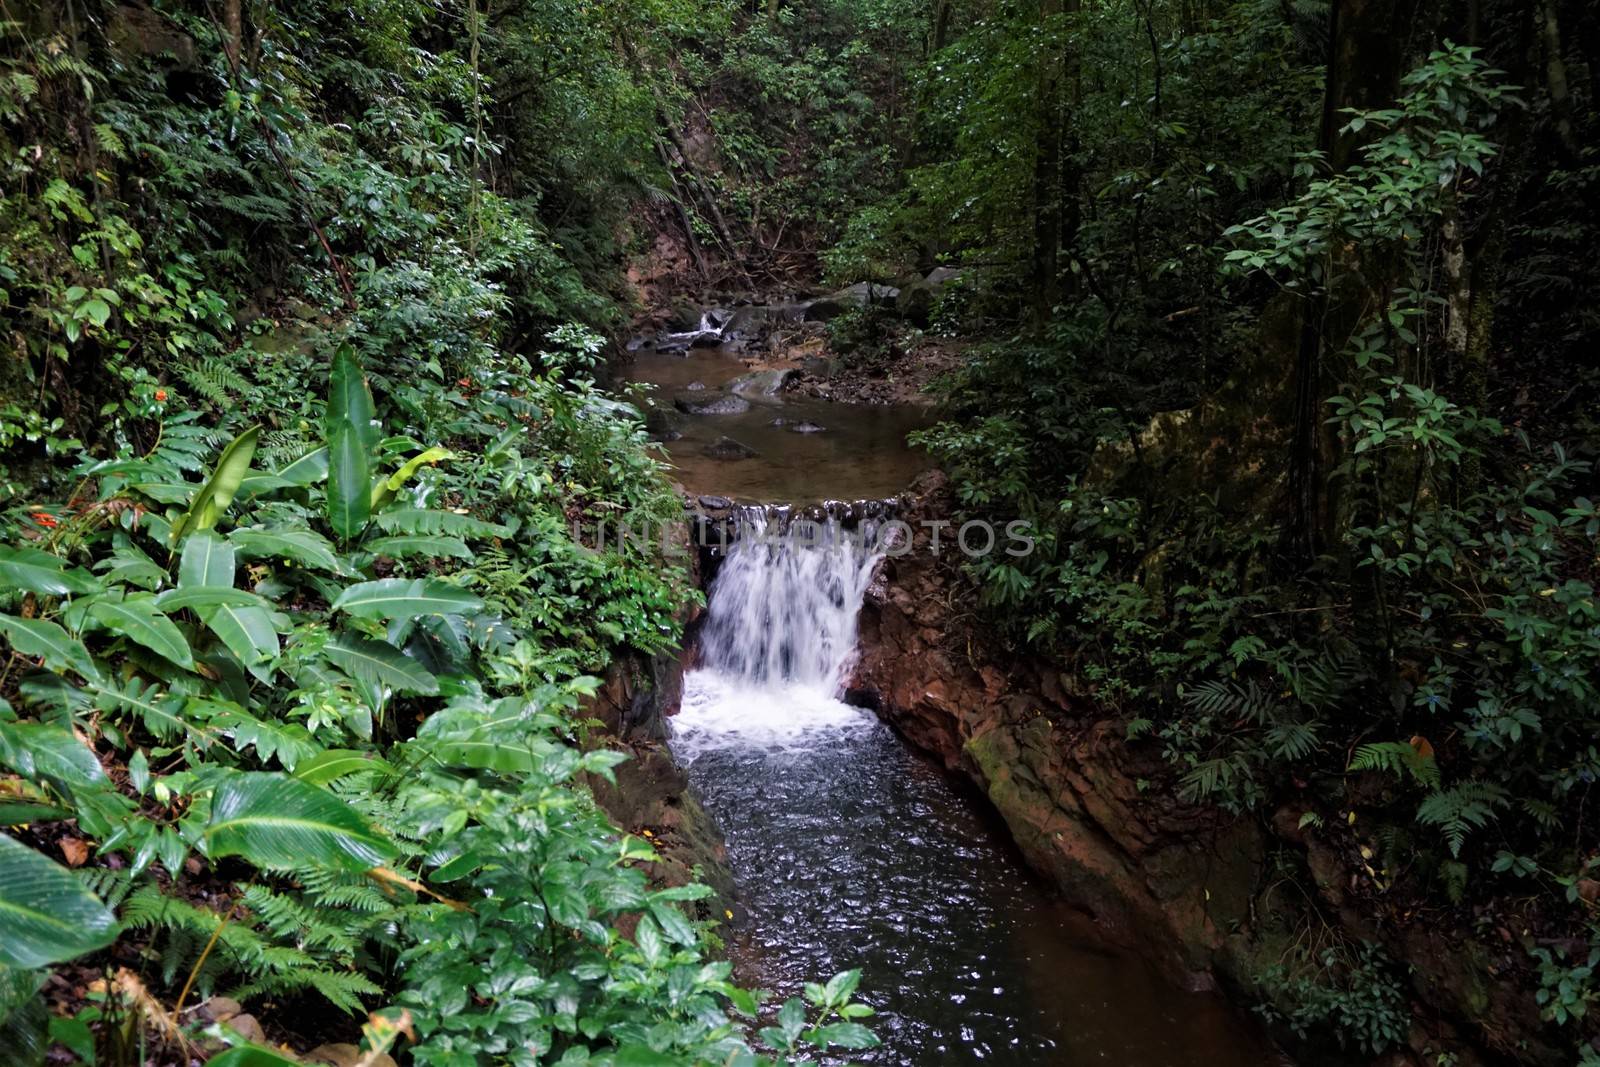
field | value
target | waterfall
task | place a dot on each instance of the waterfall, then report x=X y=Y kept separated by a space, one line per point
x=784 y=604
x=780 y=637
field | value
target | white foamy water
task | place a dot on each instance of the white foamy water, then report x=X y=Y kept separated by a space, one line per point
x=778 y=644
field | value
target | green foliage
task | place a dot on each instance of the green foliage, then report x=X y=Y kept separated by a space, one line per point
x=304 y=666
x=1355 y=996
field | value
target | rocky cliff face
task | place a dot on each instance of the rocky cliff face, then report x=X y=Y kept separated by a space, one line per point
x=1167 y=879
x=1200 y=893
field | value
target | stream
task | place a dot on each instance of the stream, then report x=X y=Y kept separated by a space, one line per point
x=847 y=848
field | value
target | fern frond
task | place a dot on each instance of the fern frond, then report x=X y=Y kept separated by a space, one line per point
x=1459 y=810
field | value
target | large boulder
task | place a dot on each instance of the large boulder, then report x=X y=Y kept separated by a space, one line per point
x=761 y=383
x=915 y=302
x=859 y=295
x=712 y=404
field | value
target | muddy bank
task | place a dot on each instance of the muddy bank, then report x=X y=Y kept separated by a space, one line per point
x=1213 y=899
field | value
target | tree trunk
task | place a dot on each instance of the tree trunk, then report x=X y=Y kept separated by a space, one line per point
x=1367 y=53
x=1046 y=179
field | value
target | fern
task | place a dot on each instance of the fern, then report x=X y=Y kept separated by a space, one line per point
x=1400 y=759
x=214 y=381
x=425 y=521
x=1459 y=810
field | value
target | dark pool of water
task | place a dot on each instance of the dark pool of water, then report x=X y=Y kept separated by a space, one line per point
x=850 y=851
x=862 y=454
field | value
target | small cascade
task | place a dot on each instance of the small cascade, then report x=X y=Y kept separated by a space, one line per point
x=780 y=636
x=784 y=603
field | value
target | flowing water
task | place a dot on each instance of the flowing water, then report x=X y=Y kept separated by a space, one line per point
x=860 y=454
x=850 y=851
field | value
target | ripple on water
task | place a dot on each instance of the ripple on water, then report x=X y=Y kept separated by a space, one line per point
x=849 y=851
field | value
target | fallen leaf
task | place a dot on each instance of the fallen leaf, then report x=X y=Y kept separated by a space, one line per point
x=76 y=850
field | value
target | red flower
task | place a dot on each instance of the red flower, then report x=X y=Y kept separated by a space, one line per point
x=45 y=519
x=161 y=395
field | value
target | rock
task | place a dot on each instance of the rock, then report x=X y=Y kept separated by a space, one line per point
x=915 y=302
x=761 y=383
x=696 y=387
x=820 y=367
x=220 y=1009
x=136 y=29
x=247 y=1027
x=663 y=424
x=807 y=427
x=858 y=295
x=716 y=503
x=747 y=324
x=729 y=449
x=779 y=421
x=346 y=1055
x=723 y=404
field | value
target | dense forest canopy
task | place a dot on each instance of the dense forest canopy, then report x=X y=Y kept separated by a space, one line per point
x=1277 y=319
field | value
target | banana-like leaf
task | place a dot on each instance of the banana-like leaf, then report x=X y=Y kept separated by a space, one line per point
x=250 y=1056
x=211 y=502
x=349 y=481
x=43 y=638
x=349 y=399
x=46 y=915
x=139 y=621
x=200 y=597
x=281 y=823
x=299 y=546
x=485 y=753
x=35 y=750
x=418 y=545
x=380 y=663
x=401 y=598
x=32 y=571
x=206 y=560
x=337 y=763
x=385 y=490
x=308 y=469
x=24 y=1019
x=246 y=631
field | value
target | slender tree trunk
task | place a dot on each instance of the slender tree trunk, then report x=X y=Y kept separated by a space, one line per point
x=941 y=25
x=1071 y=164
x=1047 y=178
x=1555 y=75
x=1368 y=44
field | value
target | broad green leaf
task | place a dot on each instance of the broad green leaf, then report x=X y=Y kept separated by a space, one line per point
x=43 y=638
x=246 y=631
x=207 y=560
x=24 y=1018
x=278 y=822
x=337 y=763
x=385 y=490
x=250 y=1056
x=36 y=750
x=199 y=597
x=46 y=915
x=308 y=469
x=843 y=1035
x=380 y=663
x=349 y=481
x=299 y=546
x=349 y=399
x=140 y=621
x=402 y=598
x=211 y=503
x=485 y=754
x=40 y=573
x=419 y=545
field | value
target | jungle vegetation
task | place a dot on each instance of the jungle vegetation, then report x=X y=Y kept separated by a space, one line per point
x=1280 y=322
